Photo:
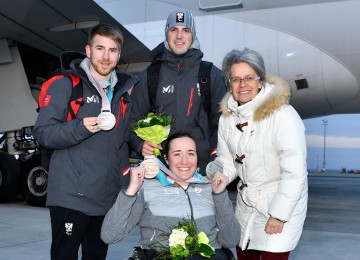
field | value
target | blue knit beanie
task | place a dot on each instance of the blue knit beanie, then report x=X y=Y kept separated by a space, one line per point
x=180 y=17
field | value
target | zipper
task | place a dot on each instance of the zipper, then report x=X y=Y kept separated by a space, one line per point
x=189 y=200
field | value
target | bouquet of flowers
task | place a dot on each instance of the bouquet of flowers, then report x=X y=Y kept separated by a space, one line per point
x=184 y=242
x=155 y=127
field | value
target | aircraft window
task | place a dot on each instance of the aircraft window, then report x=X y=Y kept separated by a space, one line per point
x=301 y=84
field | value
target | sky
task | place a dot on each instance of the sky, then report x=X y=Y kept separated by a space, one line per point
x=342 y=142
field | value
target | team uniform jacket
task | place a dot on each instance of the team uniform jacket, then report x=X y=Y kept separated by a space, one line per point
x=86 y=169
x=273 y=166
x=156 y=208
x=178 y=94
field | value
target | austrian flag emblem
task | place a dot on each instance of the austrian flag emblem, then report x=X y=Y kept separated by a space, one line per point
x=47 y=100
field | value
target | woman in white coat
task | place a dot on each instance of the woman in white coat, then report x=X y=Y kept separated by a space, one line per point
x=261 y=139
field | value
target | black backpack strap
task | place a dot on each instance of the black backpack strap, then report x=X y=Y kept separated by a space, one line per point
x=153 y=72
x=205 y=84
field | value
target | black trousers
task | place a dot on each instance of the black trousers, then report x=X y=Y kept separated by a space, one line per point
x=70 y=228
x=150 y=254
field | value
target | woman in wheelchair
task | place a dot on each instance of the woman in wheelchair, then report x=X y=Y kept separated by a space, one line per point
x=159 y=198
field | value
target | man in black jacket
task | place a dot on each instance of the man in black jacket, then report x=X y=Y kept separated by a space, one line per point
x=178 y=90
x=90 y=162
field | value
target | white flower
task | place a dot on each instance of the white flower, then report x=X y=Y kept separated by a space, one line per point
x=177 y=237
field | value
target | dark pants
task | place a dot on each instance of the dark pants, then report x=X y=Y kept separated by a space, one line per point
x=145 y=254
x=263 y=255
x=70 y=228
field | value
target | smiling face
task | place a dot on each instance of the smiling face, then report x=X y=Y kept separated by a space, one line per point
x=104 y=54
x=244 y=82
x=179 y=39
x=182 y=157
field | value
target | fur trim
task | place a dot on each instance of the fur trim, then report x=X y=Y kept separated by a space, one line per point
x=223 y=107
x=278 y=97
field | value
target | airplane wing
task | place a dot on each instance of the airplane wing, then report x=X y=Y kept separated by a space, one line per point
x=54 y=26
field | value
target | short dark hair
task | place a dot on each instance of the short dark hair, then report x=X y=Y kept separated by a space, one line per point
x=107 y=30
x=176 y=136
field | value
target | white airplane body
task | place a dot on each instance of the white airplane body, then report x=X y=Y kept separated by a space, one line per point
x=316 y=41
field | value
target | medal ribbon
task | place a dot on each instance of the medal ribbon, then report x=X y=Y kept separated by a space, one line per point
x=105 y=103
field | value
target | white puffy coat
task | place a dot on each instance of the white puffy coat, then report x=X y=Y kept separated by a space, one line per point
x=274 y=167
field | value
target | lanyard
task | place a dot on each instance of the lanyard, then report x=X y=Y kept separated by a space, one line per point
x=110 y=91
x=105 y=106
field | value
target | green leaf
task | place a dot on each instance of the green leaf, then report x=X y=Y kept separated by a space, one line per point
x=202 y=238
x=206 y=250
x=150 y=114
x=189 y=241
x=155 y=121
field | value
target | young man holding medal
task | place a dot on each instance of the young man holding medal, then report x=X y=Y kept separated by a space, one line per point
x=90 y=163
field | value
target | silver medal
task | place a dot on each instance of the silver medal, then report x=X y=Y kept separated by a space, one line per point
x=107 y=120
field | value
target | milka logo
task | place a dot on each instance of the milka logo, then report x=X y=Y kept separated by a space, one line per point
x=168 y=89
x=93 y=99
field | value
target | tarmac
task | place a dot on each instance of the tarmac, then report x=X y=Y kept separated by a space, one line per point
x=331 y=229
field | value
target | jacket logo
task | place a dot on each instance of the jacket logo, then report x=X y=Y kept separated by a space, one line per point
x=68 y=228
x=171 y=190
x=168 y=89
x=93 y=99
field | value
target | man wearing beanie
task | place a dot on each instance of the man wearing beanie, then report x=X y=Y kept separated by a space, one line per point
x=177 y=89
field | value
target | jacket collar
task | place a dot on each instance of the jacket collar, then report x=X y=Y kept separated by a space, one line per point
x=161 y=54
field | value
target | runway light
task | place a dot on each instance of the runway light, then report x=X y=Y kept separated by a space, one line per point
x=325 y=123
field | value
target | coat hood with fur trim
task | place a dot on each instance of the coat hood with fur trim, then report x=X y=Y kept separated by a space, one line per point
x=278 y=96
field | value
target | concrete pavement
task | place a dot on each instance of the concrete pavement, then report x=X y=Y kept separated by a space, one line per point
x=331 y=230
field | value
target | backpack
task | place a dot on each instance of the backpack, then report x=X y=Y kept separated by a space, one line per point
x=76 y=100
x=153 y=71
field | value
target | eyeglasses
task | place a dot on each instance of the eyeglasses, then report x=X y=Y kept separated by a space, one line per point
x=247 y=80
